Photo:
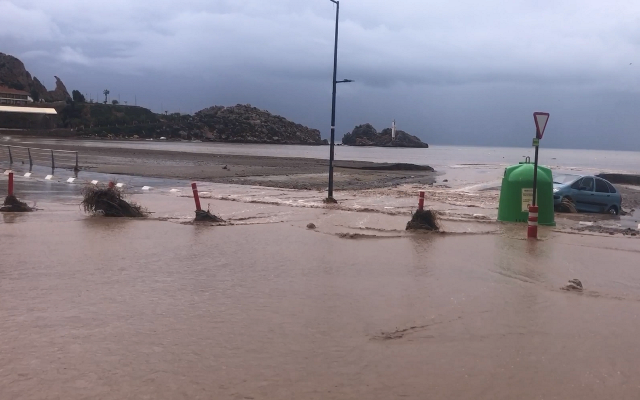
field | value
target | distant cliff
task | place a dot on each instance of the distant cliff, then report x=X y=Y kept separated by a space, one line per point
x=14 y=75
x=367 y=135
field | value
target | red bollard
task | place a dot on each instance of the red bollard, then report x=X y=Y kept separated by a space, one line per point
x=195 y=196
x=532 y=229
x=421 y=202
x=10 y=183
x=111 y=185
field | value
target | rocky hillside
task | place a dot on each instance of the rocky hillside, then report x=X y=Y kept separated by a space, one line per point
x=236 y=124
x=367 y=135
x=247 y=124
x=13 y=74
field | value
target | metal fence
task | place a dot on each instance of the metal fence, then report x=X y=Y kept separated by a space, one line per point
x=36 y=156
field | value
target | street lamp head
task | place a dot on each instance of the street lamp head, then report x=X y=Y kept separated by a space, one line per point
x=345 y=81
x=334 y=1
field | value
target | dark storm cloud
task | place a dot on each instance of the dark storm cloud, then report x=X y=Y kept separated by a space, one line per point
x=456 y=72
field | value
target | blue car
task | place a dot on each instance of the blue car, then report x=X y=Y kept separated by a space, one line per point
x=587 y=193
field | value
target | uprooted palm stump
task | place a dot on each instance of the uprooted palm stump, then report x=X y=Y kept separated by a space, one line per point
x=206 y=216
x=12 y=204
x=424 y=220
x=109 y=202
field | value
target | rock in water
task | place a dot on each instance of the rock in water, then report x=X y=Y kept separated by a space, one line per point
x=311 y=225
x=367 y=135
x=573 y=284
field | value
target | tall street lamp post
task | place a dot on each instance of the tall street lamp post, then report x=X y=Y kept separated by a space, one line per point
x=330 y=198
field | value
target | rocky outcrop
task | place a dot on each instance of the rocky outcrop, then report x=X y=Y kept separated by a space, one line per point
x=13 y=74
x=60 y=93
x=367 y=135
x=247 y=124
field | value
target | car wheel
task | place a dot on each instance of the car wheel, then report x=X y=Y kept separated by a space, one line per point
x=613 y=210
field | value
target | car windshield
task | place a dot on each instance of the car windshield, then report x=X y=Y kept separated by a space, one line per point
x=564 y=178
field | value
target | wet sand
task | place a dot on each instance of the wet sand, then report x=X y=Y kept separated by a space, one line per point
x=268 y=309
x=284 y=172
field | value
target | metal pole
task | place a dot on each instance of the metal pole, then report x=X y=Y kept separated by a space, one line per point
x=53 y=161
x=77 y=161
x=10 y=156
x=535 y=176
x=30 y=159
x=10 y=184
x=333 y=105
x=196 y=198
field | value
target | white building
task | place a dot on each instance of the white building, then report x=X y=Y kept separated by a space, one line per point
x=14 y=97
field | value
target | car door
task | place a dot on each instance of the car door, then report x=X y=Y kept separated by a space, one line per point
x=616 y=198
x=602 y=195
x=585 y=195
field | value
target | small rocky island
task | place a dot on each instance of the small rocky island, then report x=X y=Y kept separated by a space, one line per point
x=367 y=135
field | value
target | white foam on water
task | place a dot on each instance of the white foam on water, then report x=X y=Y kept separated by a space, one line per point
x=120 y=185
x=70 y=180
x=48 y=177
x=7 y=172
x=147 y=188
x=94 y=182
x=27 y=175
x=174 y=190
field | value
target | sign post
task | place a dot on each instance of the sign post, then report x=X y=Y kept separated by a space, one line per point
x=541 y=120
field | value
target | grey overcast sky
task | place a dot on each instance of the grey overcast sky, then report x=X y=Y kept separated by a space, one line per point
x=451 y=72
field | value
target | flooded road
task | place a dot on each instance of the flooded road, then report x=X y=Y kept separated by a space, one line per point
x=268 y=309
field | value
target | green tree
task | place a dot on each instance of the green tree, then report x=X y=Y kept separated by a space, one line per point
x=106 y=94
x=78 y=97
x=115 y=102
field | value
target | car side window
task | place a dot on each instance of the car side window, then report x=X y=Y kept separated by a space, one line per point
x=611 y=188
x=587 y=184
x=576 y=184
x=601 y=186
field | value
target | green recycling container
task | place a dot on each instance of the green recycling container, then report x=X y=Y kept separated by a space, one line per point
x=517 y=194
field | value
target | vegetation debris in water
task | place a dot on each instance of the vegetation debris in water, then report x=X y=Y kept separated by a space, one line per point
x=206 y=216
x=12 y=204
x=425 y=220
x=109 y=202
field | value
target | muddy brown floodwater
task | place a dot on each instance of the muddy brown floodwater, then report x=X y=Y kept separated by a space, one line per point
x=93 y=308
